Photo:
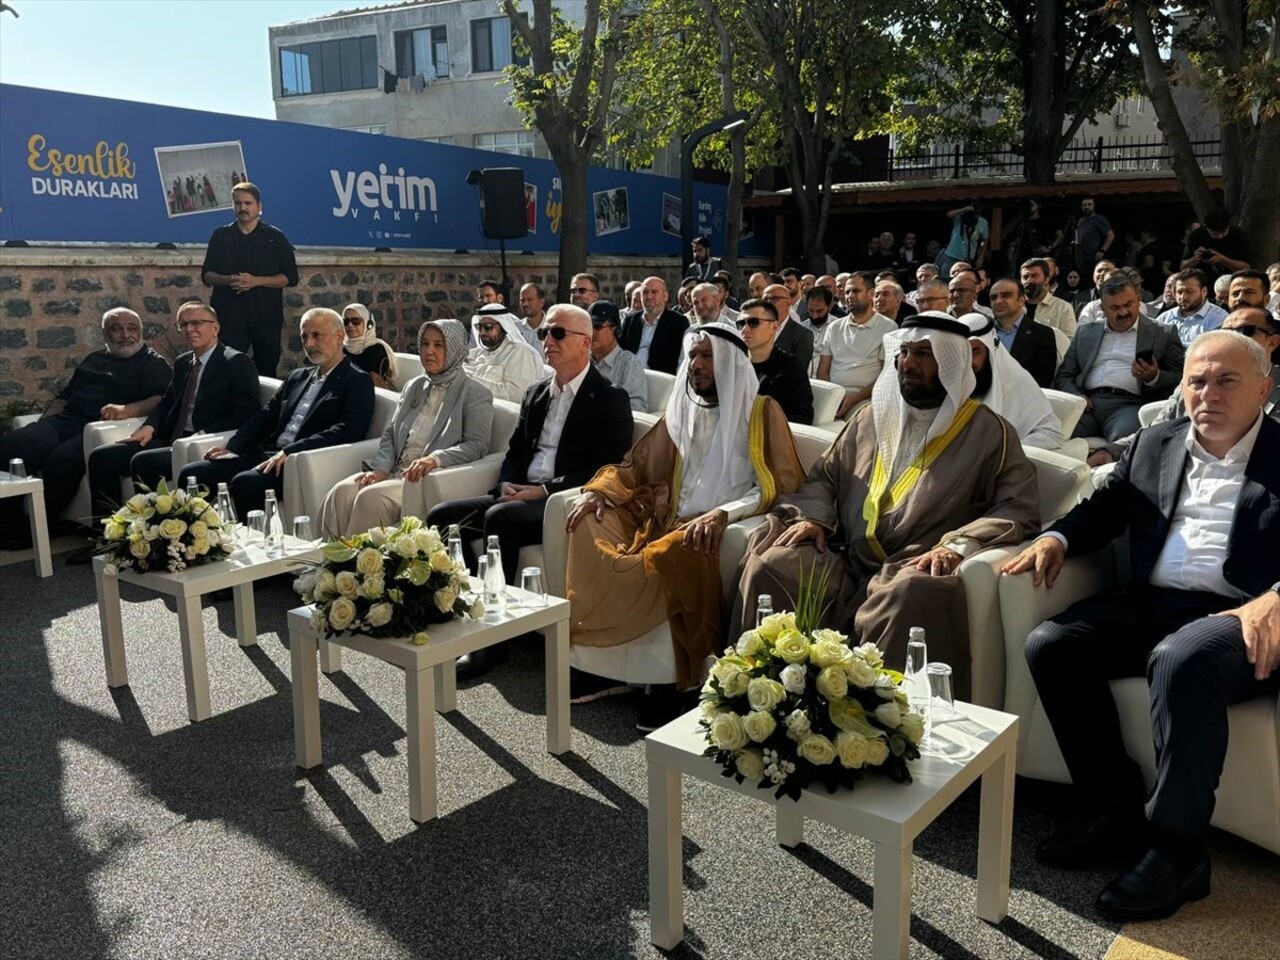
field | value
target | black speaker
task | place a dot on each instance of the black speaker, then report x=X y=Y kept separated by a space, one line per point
x=502 y=209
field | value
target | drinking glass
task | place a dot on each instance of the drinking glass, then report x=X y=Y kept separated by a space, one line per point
x=17 y=469
x=302 y=529
x=942 y=703
x=257 y=525
x=918 y=693
x=531 y=582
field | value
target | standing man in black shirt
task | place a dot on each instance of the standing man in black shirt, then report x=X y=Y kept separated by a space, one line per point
x=125 y=380
x=1217 y=248
x=248 y=264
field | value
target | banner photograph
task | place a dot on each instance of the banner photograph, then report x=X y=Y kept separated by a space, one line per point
x=78 y=169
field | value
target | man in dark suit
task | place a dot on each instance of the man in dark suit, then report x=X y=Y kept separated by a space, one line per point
x=214 y=388
x=793 y=336
x=704 y=266
x=1032 y=344
x=570 y=426
x=655 y=332
x=1120 y=364
x=323 y=405
x=1200 y=499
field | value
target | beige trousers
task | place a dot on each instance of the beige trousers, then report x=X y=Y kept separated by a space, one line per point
x=348 y=510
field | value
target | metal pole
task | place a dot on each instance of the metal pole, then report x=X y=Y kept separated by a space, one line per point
x=687 y=146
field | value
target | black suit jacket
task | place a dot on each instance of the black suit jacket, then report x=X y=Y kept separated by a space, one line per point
x=226 y=396
x=596 y=432
x=1142 y=493
x=1036 y=348
x=796 y=340
x=340 y=414
x=704 y=271
x=668 y=338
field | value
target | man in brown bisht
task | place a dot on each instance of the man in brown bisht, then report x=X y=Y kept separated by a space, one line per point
x=645 y=534
x=922 y=477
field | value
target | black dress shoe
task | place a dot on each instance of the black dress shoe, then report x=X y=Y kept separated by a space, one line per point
x=472 y=666
x=661 y=703
x=1097 y=841
x=1155 y=888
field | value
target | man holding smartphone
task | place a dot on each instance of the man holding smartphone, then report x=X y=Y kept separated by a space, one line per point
x=1217 y=247
x=1119 y=365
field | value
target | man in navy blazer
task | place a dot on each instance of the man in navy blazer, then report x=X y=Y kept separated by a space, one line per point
x=654 y=333
x=326 y=404
x=570 y=426
x=222 y=396
x=1119 y=364
x=1200 y=499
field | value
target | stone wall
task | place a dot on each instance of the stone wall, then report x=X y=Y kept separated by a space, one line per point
x=52 y=299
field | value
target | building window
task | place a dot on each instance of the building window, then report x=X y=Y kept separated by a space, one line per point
x=380 y=128
x=518 y=143
x=492 y=45
x=447 y=141
x=422 y=53
x=331 y=66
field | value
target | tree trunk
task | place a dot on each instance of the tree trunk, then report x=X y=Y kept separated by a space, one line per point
x=575 y=220
x=1039 y=136
x=1259 y=216
x=1185 y=165
x=737 y=190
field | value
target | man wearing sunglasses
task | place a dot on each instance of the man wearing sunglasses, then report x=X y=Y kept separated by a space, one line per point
x=584 y=290
x=570 y=425
x=654 y=332
x=619 y=367
x=778 y=373
x=504 y=361
x=1253 y=322
x=214 y=388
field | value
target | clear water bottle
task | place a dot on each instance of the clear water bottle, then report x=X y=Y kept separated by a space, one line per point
x=273 y=523
x=192 y=490
x=455 y=551
x=495 y=585
x=916 y=672
x=226 y=510
x=764 y=608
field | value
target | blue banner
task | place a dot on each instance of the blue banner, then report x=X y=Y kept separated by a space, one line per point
x=77 y=169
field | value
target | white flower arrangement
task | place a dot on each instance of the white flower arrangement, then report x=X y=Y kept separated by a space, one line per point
x=387 y=582
x=163 y=529
x=789 y=708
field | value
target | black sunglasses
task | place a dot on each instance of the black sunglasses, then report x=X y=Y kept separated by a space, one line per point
x=582 y=290
x=351 y=321
x=751 y=322
x=557 y=333
x=487 y=327
x=1249 y=329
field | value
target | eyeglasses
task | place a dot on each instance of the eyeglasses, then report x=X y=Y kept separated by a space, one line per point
x=582 y=290
x=1251 y=329
x=751 y=322
x=488 y=327
x=352 y=321
x=557 y=333
x=196 y=324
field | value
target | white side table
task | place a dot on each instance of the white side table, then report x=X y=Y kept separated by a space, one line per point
x=33 y=489
x=248 y=563
x=430 y=680
x=889 y=814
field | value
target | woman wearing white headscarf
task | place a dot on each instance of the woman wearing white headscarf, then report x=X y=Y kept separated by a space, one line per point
x=645 y=534
x=443 y=419
x=1006 y=387
x=375 y=357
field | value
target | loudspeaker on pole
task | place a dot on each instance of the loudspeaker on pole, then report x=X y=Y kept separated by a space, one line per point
x=502 y=208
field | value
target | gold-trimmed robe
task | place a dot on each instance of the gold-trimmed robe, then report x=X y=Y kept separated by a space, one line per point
x=973 y=483
x=628 y=572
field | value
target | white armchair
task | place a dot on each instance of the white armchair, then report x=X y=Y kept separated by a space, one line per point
x=408 y=366
x=660 y=386
x=99 y=433
x=1248 y=796
x=827 y=397
x=192 y=448
x=467 y=479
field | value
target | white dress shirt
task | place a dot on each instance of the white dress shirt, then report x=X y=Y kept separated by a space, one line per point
x=1195 y=551
x=1113 y=366
x=290 y=432
x=543 y=465
x=647 y=331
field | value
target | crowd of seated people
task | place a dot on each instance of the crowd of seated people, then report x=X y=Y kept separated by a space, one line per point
x=945 y=389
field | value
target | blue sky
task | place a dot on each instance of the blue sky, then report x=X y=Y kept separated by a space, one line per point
x=199 y=54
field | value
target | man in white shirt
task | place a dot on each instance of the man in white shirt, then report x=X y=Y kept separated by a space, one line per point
x=1006 y=387
x=504 y=361
x=708 y=305
x=1200 y=619
x=619 y=367
x=533 y=305
x=1119 y=365
x=1042 y=305
x=1194 y=314
x=853 y=346
x=570 y=426
x=963 y=290
x=1092 y=310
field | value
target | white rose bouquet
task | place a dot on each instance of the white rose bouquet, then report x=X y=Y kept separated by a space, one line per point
x=163 y=530
x=790 y=706
x=388 y=582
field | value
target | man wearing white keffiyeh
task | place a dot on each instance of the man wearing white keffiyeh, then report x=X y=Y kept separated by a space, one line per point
x=923 y=477
x=504 y=361
x=1004 y=385
x=645 y=534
